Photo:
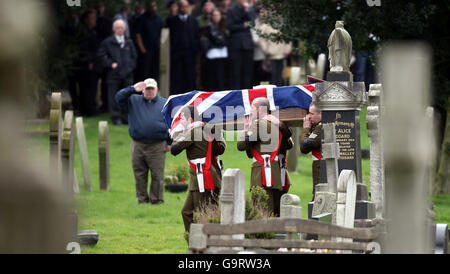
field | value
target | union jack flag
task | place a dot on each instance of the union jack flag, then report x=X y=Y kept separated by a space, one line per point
x=210 y=105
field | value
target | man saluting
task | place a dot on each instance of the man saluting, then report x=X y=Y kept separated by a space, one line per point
x=266 y=140
x=203 y=144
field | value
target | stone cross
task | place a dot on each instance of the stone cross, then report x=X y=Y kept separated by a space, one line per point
x=67 y=152
x=330 y=154
x=83 y=154
x=373 y=117
x=325 y=198
x=103 y=155
x=55 y=135
x=406 y=76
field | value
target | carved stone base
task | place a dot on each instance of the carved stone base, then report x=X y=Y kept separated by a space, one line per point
x=325 y=202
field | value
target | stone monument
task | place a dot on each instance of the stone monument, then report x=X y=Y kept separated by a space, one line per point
x=83 y=154
x=341 y=100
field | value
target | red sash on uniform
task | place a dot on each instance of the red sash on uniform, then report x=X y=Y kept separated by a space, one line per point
x=207 y=177
x=260 y=160
x=316 y=155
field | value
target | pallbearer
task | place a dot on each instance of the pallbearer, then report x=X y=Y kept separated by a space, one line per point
x=266 y=140
x=203 y=144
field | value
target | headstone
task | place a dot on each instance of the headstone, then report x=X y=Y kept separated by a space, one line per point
x=373 y=118
x=346 y=199
x=83 y=154
x=320 y=68
x=164 y=67
x=405 y=146
x=67 y=152
x=232 y=198
x=76 y=186
x=103 y=155
x=197 y=239
x=55 y=135
x=289 y=207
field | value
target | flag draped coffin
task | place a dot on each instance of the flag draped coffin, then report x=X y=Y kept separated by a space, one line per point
x=224 y=106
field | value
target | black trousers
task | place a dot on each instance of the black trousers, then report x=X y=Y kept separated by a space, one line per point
x=277 y=72
x=84 y=100
x=241 y=69
x=149 y=67
x=182 y=71
x=114 y=85
x=215 y=74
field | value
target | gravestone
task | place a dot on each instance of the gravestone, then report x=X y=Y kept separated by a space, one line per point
x=103 y=155
x=232 y=198
x=55 y=135
x=340 y=100
x=406 y=147
x=67 y=152
x=290 y=207
x=164 y=66
x=373 y=120
x=83 y=154
x=325 y=198
x=346 y=200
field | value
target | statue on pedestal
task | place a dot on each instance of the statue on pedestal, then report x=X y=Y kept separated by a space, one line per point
x=340 y=48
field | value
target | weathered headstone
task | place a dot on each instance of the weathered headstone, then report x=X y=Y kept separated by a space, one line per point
x=103 y=155
x=67 y=152
x=232 y=198
x=197 y=239
x=290 y=207
x=405 y=146
x=55 y=135
x=346 y=199
x=164 y=66
x=83 y=154
x=373 y=119
x=76 y=186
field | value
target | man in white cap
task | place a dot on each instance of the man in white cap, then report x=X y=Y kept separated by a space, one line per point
x=151 y=140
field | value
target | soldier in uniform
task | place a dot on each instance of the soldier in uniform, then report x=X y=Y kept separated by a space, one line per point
x=311 y=141
x=203 y=144
x=266 y=140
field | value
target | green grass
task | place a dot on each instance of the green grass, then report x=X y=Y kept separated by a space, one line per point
x=126 y=227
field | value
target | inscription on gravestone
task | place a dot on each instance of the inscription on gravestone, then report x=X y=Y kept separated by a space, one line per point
x=348 y=138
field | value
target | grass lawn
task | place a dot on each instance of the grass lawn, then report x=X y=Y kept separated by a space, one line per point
x=126 y=227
